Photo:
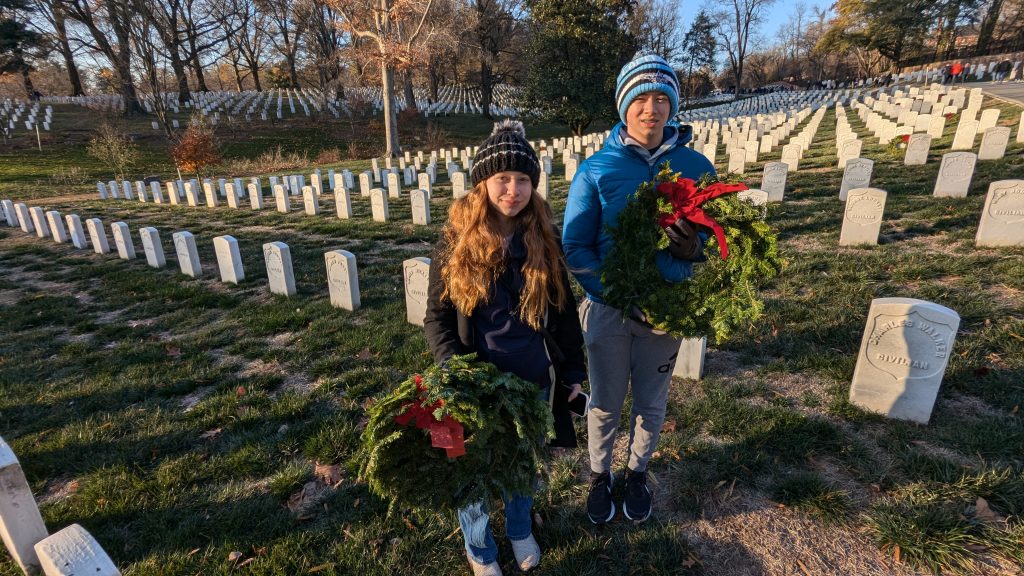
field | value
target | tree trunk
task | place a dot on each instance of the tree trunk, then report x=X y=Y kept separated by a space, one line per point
x=238 y=75
x=988 y=26
x=65 y=50
x=410 y=96
x=255 y=69
x=197 y=67
x=486 y=88
x=390 y=117
x=293 y=73
x=27 y=79
x=184 y=95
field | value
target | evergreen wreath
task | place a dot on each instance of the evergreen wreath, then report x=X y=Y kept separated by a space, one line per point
x=723 y=293
x=504 y=422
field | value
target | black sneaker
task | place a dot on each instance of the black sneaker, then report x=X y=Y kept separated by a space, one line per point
x=637 y=503
x=600 y=508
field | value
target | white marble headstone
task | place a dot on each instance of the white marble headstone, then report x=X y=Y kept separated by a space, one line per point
x=152 y=247
x=903 y=357
x=993 y=143
x=773 y=180
x=379 y=205
x=232 y=194
x=284 y=203
x=278 y=257
x=342 y=279
x=458 y=185
x=862 y=217
x=21 y=525
x=76 y=231
x=342 y=202
x=856 y=175
x=10 y=216
x=123 y=240
x=229 y=259
x=73 y=552
x=966 y=131
x=1002 y=218
x=416 y=272
x=310 y=201
x=955 y=174
x=24 y=217
x=188 y=255
x=394 y=186
x=60 y=235
x=255 y=197
x=39 y=222
x=690 y=359
x=98 y=236
x=754 y=196
x=917 y=150
x=420 y=207
x=211 y=194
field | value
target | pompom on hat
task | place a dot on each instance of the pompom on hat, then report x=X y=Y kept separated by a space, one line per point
x=505 y=150
x=644 y=73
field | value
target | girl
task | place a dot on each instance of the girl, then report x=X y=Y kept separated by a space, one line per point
x=499 y=287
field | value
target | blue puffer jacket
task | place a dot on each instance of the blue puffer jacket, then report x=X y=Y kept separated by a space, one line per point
x=599 y=191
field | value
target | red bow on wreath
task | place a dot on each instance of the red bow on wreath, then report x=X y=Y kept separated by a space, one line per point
x=686 y=199
x=446 y=433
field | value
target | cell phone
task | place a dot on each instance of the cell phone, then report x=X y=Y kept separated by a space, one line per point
x=579 y=405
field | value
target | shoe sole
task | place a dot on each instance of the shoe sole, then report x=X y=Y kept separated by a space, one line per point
x=625 y=512
x=609 y=519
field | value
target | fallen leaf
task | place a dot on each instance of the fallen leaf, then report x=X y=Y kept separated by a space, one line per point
x=193 y=551
x=896 y=552
x=320 y=568
x=1016 y=409
x=976 y=548
x=329 y=474
x=240 y=391
x=668 y=426
x=173 y=351
x=409 y=524
x=106 y=425
x=234 y=556
x=802 y=567
x=691 y=560
x=246 y=561
x=210 y=434
x=538 y=520
x=364 y=354
x=985 y=514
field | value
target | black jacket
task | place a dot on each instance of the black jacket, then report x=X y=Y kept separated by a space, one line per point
x=450 y=333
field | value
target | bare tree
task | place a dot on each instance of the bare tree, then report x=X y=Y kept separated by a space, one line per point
x=102 y=19
x=323 y=42
x=251 y=36
x=288 y=30
x=737 y=22
x=167 y=18
x=393 y=27
x=497 y=24
x=53 y=12
x=655 y=23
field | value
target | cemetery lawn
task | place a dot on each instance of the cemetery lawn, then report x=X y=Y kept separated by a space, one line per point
x=183 y=420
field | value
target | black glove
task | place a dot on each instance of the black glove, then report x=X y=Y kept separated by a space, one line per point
x=683 y=242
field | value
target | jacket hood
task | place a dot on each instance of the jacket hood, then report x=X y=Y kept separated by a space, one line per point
x=683 y=133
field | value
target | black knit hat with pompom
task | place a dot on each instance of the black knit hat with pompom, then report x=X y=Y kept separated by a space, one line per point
x=505 y=150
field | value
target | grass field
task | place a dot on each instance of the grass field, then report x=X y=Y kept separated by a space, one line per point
x=182 y=420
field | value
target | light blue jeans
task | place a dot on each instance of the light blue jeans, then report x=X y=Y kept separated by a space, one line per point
x=476 y=526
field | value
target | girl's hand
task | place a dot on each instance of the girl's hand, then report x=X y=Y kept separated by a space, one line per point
x=576 y=389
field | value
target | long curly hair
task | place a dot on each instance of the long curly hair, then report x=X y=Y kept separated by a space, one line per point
x=474 y=257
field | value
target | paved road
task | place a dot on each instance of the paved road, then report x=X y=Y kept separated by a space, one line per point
x=1012 y=91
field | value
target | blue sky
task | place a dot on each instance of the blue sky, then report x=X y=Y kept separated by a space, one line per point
x=776 y=16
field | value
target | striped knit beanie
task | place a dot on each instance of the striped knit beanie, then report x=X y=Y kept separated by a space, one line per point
x=646 y=72
x=505 y=150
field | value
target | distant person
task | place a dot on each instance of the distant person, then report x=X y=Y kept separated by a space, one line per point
x=957 y=72
x=1002 y=70
x=947 y=73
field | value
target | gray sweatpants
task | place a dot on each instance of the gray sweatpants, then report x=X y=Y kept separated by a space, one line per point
x=621 y=351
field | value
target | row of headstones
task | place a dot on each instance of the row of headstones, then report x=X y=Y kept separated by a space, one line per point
x=792 y=152
x=12 y=116
x=1001 y=223
x=342 y=275
x=70 y=552
x=903 y=355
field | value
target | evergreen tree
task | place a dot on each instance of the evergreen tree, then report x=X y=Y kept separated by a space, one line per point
x=15 y=41
x=576 y=51
x=699 y=49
